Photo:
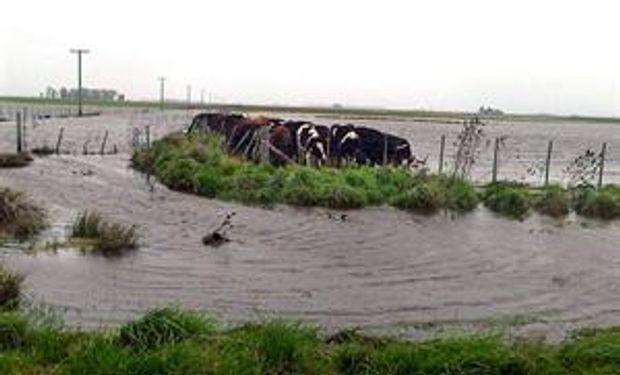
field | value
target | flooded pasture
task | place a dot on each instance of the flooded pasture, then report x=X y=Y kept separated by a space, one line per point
x=380 y=268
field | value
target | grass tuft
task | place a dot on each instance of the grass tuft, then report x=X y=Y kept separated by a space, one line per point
x=553 y=201
x=165 y=326
x=10 y=289
x=18 y=217
x=102 y=237
x=508 y=199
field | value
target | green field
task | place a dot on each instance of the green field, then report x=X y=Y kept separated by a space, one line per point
x=345 y=112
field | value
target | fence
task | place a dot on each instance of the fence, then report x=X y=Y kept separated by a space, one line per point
x=26 y=129
x=531 y=153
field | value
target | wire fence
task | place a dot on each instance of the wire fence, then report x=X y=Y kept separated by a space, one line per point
x=536 y=154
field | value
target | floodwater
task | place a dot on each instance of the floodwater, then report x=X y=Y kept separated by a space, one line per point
x=380 y=269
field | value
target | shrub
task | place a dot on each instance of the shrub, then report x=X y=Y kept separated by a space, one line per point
x=165 y=326
x=553 y=201
x=179 y=173
x=18 y=217
x=10 y=289
x=423 y=197
x=104 y=237
x=603 y=203
x=461 y=195
x=508 y=199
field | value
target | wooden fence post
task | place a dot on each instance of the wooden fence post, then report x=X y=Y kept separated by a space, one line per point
x=18 y=121
x=442 y=147
x=601 y=167
x=385 y=144
x=548 y=162
x=495 y=161
x=148 y=137
x=59 y=141
x=105 y=140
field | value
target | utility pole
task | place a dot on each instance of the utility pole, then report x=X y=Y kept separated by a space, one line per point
x=189 y=95
x=161 y=92
x=202 y=97
x=79 y=52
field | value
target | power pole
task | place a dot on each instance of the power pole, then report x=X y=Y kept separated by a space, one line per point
x=79 y=52
x=189 y=95
x=202 y=97
x=161 y=92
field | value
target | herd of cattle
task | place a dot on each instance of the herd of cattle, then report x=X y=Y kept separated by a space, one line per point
x=306 y=142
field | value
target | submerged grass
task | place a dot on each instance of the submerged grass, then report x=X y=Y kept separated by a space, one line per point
x=170 y=341
x=18 y=160
x=19 y=218
x=199 y=164
x=100 y=236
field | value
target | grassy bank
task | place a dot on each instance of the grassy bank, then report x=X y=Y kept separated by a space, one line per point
x=169 y=341
x=19 y=218
x=200 y=165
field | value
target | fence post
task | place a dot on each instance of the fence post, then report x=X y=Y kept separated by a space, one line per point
x=59 y=141
x=601 y=167
x=385 y=142
x=548 y=162
x=495 y=156
x=148 y=136
x=105 y=140
x=442 y=147
x=18 y=121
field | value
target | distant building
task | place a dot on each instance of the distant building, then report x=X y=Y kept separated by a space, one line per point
x=489 y=111
x=105 y=95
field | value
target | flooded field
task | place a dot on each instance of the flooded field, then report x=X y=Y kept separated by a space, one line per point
x=381 y=269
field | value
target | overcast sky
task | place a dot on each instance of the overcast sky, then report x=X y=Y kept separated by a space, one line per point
x=521 y=56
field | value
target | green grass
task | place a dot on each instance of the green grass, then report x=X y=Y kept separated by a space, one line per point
x=601 y=203
x=553 y=201
x=18 y=160
x=10 y=288
x=96 y=234
x=200 y=165
x=19 y=218
x=157 y=345
x=508 y=199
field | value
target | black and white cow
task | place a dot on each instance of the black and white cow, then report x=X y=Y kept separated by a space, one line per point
x=344 y=143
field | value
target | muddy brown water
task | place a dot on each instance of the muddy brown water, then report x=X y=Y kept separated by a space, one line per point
x=381 y=269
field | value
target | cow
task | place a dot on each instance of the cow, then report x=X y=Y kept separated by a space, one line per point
x=344 y=143
x=311 y=140
x=376 y=147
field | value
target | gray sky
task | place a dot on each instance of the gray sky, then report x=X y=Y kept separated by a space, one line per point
x=521 y=56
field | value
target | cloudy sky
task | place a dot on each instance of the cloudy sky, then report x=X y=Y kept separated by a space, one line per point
x=521 y=56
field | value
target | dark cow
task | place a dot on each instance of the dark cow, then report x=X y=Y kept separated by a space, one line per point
x=216 y=122
x=374 y=143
